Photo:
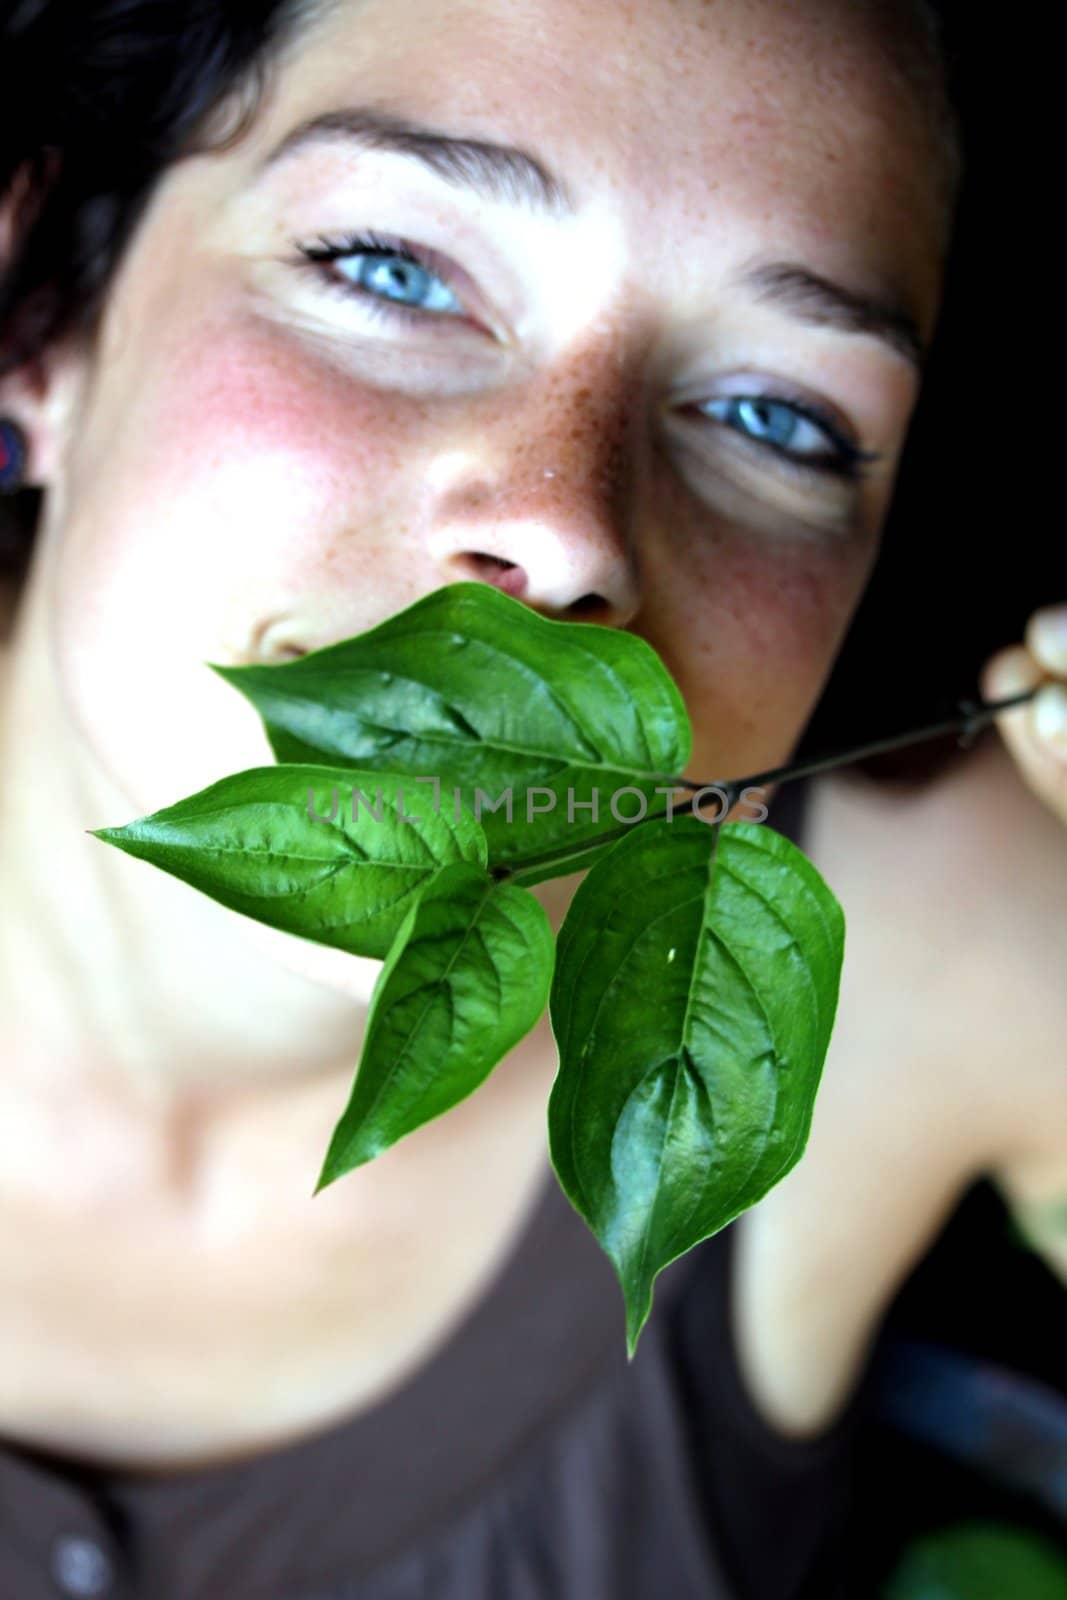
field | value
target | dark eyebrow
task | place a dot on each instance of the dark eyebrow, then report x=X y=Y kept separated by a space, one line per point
x=811 y=298
x=508 y=175
x=501 y=173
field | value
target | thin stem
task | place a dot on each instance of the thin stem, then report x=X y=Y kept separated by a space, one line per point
x=548 y=857
x=969 y=718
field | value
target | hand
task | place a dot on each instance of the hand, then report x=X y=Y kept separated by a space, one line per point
x=1036 y=733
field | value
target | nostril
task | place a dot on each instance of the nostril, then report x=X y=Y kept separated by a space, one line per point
x=269 y=643
x=483 y=560
x=507 y=576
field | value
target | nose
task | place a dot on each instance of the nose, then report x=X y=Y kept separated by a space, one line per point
x=541 y=504
x=534 y=491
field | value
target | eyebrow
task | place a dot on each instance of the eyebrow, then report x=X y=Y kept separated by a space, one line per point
x=811 y=298
x=501 y=173
x=505 y=174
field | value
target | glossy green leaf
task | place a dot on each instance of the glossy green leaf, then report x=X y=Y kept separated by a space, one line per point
x=474 y=688
x=696 y=984
x=698 y=969
x=980 y=1561
x=468 y=977
x=252 y=842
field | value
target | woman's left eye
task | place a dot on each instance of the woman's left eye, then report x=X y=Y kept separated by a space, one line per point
x=394 y=279
x=794 y=431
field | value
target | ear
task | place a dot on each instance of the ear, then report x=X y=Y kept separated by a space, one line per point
x=41 y=394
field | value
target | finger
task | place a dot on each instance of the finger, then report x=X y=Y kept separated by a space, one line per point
x=1046 y=639
x=1035 y=733
x=1050 y=719
x=1011 y=671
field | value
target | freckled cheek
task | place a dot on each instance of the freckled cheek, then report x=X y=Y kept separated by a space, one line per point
x=237 y=483
x=238 y=489
x=756 y=637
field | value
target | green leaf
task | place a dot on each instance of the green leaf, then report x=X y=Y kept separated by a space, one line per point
x=980 y=1561
x=472 y=687
x=468 y=976
x=251 y=842
x=696 y=984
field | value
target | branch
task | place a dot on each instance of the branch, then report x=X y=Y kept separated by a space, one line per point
x=970 y=717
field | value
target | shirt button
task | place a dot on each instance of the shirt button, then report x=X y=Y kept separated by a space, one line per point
x=80 y=1567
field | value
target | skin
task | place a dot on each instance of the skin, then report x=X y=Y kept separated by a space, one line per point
x=287 y=445
x=946 y=1065
x=224 y=465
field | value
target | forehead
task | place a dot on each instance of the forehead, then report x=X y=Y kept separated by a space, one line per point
x=695 y=119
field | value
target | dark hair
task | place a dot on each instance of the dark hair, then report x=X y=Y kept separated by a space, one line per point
x=964 y=558
x=110 y=92
x=97 y=98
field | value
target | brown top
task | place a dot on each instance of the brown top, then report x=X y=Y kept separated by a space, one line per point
x=525 y=1458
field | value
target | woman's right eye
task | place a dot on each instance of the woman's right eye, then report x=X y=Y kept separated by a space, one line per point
x=395 y=280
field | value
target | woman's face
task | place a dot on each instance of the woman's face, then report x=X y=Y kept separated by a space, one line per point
x=642 y=400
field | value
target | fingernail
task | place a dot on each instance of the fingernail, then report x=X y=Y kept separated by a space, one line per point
x=1050 y=717
x=1011 y=672
x=1047 y=636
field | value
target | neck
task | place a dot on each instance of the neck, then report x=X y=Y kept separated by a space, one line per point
x=137 y=1007
x=170 y=1077
x=128 y=999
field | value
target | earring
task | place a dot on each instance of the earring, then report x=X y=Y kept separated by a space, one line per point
x=14 y=448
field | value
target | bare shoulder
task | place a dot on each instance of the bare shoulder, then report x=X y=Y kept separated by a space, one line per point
x=946 y=1063
x=957 y=892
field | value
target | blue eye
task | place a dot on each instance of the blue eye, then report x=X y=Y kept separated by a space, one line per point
x=401 y=282
x=800 y=434
x=393 y=277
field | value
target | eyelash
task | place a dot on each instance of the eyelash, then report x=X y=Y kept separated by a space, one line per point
x=320 y=255
x=848 y=461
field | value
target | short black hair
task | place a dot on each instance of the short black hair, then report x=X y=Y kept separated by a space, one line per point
x=97 y=98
